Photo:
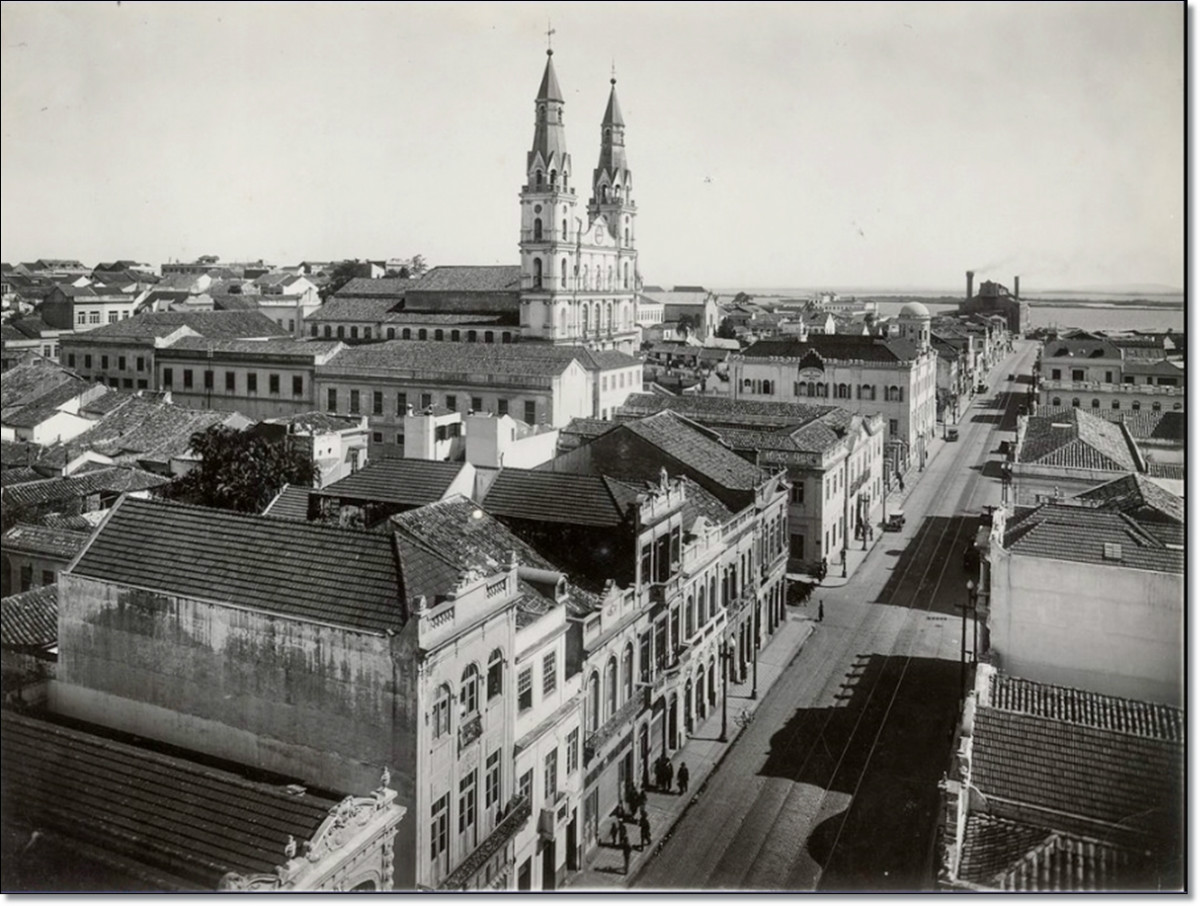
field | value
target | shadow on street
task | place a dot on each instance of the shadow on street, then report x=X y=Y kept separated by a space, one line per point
x=929 y=573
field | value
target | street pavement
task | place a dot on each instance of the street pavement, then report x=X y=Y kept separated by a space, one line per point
x=833 y=785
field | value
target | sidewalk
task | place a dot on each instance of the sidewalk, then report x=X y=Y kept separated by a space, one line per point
x=604 y=867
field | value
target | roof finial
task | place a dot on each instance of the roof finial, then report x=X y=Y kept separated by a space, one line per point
x=549 y=39
x=613 y=80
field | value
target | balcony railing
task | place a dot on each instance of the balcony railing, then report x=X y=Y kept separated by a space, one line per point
x=515 y=815
x=592 y=744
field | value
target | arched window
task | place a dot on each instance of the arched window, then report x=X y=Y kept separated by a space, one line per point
x=583 y=278
x=328 y=331
x=1095 y=404
x=1075 y=403
x=609 y=284
x=341 y=332
x=439 y=334
x=1056 y=402
x=468 y=695
x=1137 y=405
x=689 y=618
x=562 y=274
x=471 y=336
x=553 y=177
x=564 y=236
x=593 y=702
x=610 y=688
x=702 y=606
x=1116 y=404
x=441 y=712
x=537 y=229
x=489 y=337
x=812 y=388
x=627 y=235
x=495 y=676
x=627 y=673
x=608 y=315
x=407 y=333
x=537 y=179
x=1156 y=406
x=391 y=334
x=583 y=318
x=625 y=275
x=537 y=273
x=422 y=334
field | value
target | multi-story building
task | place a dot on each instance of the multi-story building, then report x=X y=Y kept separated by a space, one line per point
x=439 y=657
x=82 y=308
x=1098 y=372
x=833 y=459
x=259 y=378
x=995 y=299
x=579 y=271
x=894 y=377
x=122 y=355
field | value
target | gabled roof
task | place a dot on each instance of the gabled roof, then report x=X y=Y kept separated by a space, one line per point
x=342 y=307
x=290 y=503
x=428 y=358
x=470 y=278
x=1084 y=534
x=316 y=422
x=44 y=541
x=720 y=410
x=1079 y=348
x=30 y=619
x=837 y=347
x=301 y=570
x=1137 y=497
x=33 y=378
x=217 y=325
x=57 y=490
x=1076 y=440
x=690 y=445
x=539 y=496
x=275 y=347
x=409 y=482
x=173 y=822
x=389 y=287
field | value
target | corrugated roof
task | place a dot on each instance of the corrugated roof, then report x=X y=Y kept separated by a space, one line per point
x=188 y=821
x=302 y=570
x=409 y=482
x=560 y=497
x=30 y=619
x=44 y=541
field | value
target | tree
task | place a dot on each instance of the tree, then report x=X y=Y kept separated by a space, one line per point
x=742 y=297
x=686 y=323
x=343 y=272
x=240 y=470
x=417 y=265
x=726 y=330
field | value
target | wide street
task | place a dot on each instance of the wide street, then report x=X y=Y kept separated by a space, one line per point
x=833 y=786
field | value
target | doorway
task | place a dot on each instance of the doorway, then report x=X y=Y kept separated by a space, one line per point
x=525 y=875
x=549 y=857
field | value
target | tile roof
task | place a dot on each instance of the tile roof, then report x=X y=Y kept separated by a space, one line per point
x=454 y=319
x=1081 y=533
x=1084 y=777
x=44 y=541
x=1150 y=720
x=316 y=422
x=1003 y=854
x=290 y=503
x=32 y=327
x=458 y=278
x=392 y=287
x=235 y=301
x=59 y=490
x=429 y=358
x=216 y=325
x=1144 y=424
x=1169 y=470
x=702 y=503
x=30 y=619
x=343 y=307
x=277 y=347
x=560 y=497
x=690 y=445
x=302 y=570
x=1076 y=440
x=587 y=427
x=19 y=475
x=32 y=379
x=1080 y=348
x=1139 y=497
x=183 y=821
x=720 y=410
x=409 y=482
x=837 y=347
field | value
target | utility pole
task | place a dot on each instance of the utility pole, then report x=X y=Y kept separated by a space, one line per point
x=725 y=655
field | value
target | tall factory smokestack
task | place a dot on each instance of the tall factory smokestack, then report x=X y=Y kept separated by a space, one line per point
x=1017 y=287
x=970 y=284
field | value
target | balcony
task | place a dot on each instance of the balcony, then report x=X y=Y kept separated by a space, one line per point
x=625 y=714
x=516 y=813
x=469 y=730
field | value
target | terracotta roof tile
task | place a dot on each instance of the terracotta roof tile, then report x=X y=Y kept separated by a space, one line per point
x=30 y=619
x=540 y=496
x=1076 y=439
x=1085 y=534
x=55 y=490
x=837 y=347
x=228 y=325
x=290 y=503
x=456 y=278
x=44 y=541
x=409 y=482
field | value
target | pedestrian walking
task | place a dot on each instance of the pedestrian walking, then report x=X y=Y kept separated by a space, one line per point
x=683 y=777
x=821 y=611
x=644 y=824
x=670 y=772
x=625 y=852
x=614 y=835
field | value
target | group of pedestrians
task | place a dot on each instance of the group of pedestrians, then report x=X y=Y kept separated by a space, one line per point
x=619 y=837
x=666 y=777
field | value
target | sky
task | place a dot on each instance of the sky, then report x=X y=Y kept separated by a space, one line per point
x=772 y=145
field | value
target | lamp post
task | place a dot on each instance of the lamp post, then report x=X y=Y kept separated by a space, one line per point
x=962 y=661
x=754 y=645
x=726 y=654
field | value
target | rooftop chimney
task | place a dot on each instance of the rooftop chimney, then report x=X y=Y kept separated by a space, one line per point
x=1017 y=287
x=970 y=284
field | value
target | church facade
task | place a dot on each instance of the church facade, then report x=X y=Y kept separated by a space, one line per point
x=579 y=272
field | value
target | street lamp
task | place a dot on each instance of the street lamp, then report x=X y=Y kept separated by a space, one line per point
x=726 y=654
x=962 y=661
x=754 y=641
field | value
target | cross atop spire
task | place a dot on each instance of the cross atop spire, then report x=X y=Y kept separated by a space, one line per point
x=549 y=39
x=613 y=79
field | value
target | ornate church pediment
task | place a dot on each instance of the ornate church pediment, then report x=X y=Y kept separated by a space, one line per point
x=811 y=366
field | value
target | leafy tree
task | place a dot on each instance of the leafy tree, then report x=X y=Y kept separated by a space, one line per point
x=687 y=322
x=726 y=330
x=341 y=274
x=742 y=297
x=240 y=470
x=417 y=265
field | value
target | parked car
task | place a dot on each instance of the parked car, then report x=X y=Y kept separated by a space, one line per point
x=951 y=434
x=895 y=522
x=981 y=387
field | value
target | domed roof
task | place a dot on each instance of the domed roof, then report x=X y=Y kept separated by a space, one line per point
x=914 y=310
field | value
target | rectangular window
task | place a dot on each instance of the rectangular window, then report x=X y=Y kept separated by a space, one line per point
x=141 y=384
x=893 y=427
x=120 y=363
x=104 y=363
x=187 y=379
x=354 y=402
x=441 y=716
x=495 y=678
x=467 y=803
x=297 y=385
x=426 y=401
x=377 y=402
x=501 y=406
x=401 y=403
x=71 y=360
x=127 y=383
x=377 y=437
x=439 y=826
x=87 y=361
x=573 y=751
x=168 y=376
x=491 y=782
x=530 y=412
x=525 y=785
x=1077 y=374
x=230 y=381
x=399 y=440
x=549 y=673
x=476 y=404
x=798 y=492
x=47 y=577
x=208 y=379
x=331 y=399
x=113 y=317
x=525 y=689
x=451 y=402
x=1055 y=374
x=82 y=318
x=273 y=384
x=94 y=317
x=252 y=382
x=551 y=773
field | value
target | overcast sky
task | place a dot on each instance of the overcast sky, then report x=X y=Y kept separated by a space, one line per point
x=772 y=145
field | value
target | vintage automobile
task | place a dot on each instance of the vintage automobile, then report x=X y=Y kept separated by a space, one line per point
x=895 y=522
x=951 y=434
